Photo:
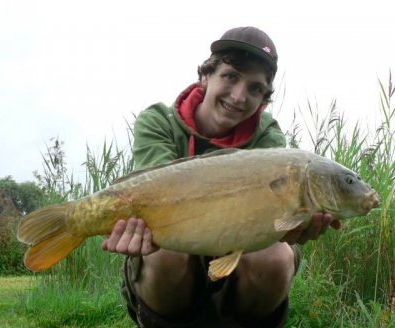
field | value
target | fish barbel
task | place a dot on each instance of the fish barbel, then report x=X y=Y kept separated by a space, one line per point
x=221 y=204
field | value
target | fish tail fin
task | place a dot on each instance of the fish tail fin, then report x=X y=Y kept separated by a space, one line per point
x=46 y=230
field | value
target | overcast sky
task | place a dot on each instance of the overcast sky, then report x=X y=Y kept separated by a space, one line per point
x=78 y=69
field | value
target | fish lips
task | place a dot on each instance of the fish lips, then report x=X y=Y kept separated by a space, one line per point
x=372 y=201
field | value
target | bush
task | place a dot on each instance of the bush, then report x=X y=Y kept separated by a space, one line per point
x=11 y=250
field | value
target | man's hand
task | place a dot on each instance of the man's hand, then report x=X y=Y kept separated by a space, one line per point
x=130 y=237
x=318 y=225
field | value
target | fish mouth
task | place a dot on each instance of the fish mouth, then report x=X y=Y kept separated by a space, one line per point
x=371 y=201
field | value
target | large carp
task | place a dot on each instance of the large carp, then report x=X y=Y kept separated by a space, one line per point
x=222 y=205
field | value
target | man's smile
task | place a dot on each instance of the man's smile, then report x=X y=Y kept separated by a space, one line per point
x=230 y=108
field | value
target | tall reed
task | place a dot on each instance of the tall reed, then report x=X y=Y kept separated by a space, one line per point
x=361 y=255
x=88 y=266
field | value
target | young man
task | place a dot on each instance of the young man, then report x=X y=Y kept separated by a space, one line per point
x=225 y=108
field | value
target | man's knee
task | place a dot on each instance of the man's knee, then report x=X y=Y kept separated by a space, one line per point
x=167 y=282
x=264 y=279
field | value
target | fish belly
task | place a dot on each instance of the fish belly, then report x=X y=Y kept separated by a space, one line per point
x=215 y=226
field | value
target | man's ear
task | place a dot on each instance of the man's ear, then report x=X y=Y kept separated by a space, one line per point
x=203 y=81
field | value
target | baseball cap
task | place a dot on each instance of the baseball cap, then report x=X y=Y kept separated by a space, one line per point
x=250 y=39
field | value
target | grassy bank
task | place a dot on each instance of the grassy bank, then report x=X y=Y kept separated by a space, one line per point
x=13 y=292
x=30 y=302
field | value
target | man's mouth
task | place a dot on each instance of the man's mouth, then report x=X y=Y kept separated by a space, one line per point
x=229 y=108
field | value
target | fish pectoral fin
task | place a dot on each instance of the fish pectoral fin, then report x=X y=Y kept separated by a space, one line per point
x=289 y=222
x=224 y=265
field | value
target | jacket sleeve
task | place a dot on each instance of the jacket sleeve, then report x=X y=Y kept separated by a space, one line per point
x=153 y=138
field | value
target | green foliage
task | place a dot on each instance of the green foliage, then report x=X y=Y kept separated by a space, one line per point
x=316 y=301
x=88 y=266
x=55 y=179
x=59 y=305
x=82 y=290
x=28 y=301
x=103 y=169
x=15 y=199
x=26 y=196
x=11 y=250
x=313 y=299
x=349 y=271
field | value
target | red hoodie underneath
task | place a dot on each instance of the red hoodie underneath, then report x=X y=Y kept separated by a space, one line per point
x=186 y=105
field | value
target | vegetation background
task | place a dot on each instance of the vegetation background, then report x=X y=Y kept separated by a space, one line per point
x=346 y=279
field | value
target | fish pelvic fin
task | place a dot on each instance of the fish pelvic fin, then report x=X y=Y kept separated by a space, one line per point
x=224 y=266
x=289 y=222
x=46 y=231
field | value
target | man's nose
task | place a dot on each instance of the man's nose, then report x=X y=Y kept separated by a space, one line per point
x=239 y=93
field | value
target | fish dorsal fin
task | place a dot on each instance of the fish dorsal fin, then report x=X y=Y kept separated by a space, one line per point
x=224 y=151
x=154 y=167
x=289 y=222
x=219 y=152
x=224 y=265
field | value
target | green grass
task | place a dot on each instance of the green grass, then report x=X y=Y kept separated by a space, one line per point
x=317 y=300
x=30 y=301
x=75 y=307
x=12 y=292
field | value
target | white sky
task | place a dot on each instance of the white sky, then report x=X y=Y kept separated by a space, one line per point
x=78 y=69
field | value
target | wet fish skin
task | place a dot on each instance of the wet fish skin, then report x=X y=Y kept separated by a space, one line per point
x=238 y=201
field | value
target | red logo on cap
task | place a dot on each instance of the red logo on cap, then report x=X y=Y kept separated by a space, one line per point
x=266 y=49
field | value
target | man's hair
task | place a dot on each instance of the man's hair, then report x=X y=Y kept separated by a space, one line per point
x=239 y=60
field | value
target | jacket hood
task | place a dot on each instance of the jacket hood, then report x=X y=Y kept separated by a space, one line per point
x=186 y=105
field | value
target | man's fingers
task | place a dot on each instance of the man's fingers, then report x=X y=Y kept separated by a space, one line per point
x=318 y=225
x=130 y=237
x=147 y=246
x=111 y=242
x=293 y=235
x=130 y=240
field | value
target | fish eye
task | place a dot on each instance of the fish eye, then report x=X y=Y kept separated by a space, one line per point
x=350 y=179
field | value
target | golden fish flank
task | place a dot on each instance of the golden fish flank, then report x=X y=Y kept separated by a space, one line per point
x=224 y=203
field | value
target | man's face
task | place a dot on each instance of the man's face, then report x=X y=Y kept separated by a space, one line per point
x=234 y=96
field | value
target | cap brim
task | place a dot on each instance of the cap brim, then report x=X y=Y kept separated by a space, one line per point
x=221 y=45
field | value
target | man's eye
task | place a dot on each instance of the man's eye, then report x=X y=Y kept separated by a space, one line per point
x=257 y=89
x=230 y=77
